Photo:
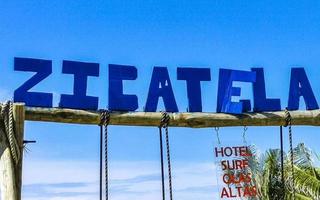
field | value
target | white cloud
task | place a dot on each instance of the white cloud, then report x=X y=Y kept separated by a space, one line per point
x=70 y=180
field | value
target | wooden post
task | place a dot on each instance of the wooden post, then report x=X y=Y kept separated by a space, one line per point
x=11 y=174
x=7 y=172
x=19 y=117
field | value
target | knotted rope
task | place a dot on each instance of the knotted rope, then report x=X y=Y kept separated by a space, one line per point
x=104 y=122
x=288 y=124
x=164 y=124
x=6 y=111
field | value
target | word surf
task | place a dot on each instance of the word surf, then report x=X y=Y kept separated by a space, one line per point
x=160 y=88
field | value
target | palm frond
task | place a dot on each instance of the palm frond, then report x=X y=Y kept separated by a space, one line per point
x=306 y=184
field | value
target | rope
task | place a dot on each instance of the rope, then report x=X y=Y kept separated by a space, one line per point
x=105 y=120
x=217 y=134
x=288 y=124
x=245 y=128
x=217 y=160
x=164 y=124
x=106 y=152
x=169 y=163
x=100 y=164
x=7 y=115
x=282 y=159
x=162 y=167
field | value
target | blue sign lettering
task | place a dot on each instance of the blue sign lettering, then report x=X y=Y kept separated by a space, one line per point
x=43 y=69
x=160 y=88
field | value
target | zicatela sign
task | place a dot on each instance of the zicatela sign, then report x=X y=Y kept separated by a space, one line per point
x=160 y=87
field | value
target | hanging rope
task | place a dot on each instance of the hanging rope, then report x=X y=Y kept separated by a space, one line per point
x=217 y=134
x=217 y=160
x=164 y=124
x=100 y=164
x=162 y=167
x=288 y=124
x=104 y=122
x=7 y=116
x=245 y=128
x=169 y=163
x=282 y=159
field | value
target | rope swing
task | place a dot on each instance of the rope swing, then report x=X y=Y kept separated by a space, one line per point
x=164 y=124
x=104 y=122
x=6 y=112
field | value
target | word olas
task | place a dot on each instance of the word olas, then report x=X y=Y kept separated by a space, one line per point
x=160 y=87
x=236 y=175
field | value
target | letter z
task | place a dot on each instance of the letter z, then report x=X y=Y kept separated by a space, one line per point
x=43 y=69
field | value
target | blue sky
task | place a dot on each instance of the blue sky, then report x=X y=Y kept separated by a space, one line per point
x=276 y=35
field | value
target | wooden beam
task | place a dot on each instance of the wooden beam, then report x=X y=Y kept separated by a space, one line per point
x=193 y=120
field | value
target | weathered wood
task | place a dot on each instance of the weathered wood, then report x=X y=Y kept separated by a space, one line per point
x=194 y=120
x=10 y=174
x=7 y=171
x=19 y=116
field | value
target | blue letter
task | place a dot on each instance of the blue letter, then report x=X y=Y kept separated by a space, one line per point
x=79 y=99
x=118 y=100
x=160 y=86
x=193 y=77
x=261 y=103
x=300 y=86
x=43 y=69
x=226 y=91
